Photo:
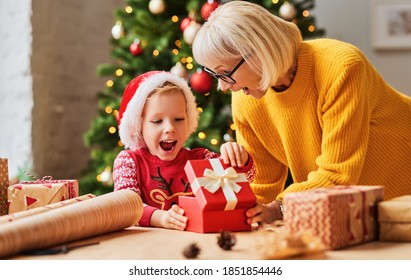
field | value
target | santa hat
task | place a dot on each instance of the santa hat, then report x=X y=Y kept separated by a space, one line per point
x=134 y=99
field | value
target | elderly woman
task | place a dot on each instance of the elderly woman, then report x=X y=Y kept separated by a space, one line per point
x=317 y=108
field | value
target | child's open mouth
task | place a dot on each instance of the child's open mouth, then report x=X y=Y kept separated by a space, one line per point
x=168 y=145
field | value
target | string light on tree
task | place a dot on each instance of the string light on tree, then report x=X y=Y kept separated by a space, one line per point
x=214 y=142
x=119 y=72
x=311 y=28
x=109 y=83
x=202 y=135
x=174 y=18
x=108 y=110
x=156 y=7
x=112 y=129
x=128 y=9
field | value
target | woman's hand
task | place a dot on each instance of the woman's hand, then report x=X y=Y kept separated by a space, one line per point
x=173 y=218
x=234 y=154
x=264 y=213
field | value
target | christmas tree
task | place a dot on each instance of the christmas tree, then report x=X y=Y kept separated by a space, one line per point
x=156 y=35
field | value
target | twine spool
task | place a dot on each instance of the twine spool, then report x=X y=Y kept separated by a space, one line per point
x=102 y=214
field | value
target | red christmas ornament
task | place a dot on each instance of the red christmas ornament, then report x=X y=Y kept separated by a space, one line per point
x=184 y=23
x=135 y=48
x=208 y=8
x=201 y=81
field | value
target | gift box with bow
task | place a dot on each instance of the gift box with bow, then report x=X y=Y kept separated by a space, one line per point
x=340 y=216
x=222 y=196
x=32 y=194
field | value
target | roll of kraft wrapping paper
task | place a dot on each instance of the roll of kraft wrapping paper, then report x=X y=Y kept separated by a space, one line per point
x=102 y=214
x=25 y=213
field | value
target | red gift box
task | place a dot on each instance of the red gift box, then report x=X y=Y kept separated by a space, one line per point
x=222 y=196
x=32 y=194
x=340 y=216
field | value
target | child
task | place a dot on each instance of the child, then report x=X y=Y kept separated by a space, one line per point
x=157 y=115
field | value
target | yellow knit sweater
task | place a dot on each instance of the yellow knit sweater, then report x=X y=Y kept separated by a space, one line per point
x=339 y=123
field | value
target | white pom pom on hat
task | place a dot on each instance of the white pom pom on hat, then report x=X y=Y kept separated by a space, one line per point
x=134 y=99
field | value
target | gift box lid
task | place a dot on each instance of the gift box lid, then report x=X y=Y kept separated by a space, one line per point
x=395 y=210
x=218 y=186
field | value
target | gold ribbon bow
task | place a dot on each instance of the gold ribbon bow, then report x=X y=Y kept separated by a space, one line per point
x=224 y=181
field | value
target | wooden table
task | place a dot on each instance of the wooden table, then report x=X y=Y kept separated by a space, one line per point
x=138 y=243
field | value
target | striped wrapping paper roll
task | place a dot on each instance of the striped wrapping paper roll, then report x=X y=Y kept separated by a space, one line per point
x=102 y=214
x=37 y=210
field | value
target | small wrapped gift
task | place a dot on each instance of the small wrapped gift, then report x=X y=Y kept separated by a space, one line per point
x=32 y=194
x=394 y=217
x=4 y=183
x=222 y=196
x=341 y=216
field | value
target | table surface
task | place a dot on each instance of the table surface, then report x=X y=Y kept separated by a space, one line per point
x=162 y=244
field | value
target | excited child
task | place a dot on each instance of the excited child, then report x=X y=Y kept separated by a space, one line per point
x=157 y=115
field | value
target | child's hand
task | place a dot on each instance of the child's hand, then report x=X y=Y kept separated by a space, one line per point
x=234 y=154
x=173 y=218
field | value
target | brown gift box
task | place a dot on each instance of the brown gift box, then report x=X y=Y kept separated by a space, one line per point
x=4 y=183
x=394 y=217
x=28 y=195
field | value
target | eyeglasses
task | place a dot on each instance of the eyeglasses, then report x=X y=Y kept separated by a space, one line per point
x=225 y=77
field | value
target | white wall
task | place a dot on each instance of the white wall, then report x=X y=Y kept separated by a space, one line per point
x=350 y=21
x=16 y=98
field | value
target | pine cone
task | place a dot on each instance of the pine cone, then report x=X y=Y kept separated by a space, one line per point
x=191 y=251
x=226 y=240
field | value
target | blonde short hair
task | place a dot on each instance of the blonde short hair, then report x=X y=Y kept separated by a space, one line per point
x=165 y=88
x=238 y=29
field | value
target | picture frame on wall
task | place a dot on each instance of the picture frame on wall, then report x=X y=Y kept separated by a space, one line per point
x=391 y=24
